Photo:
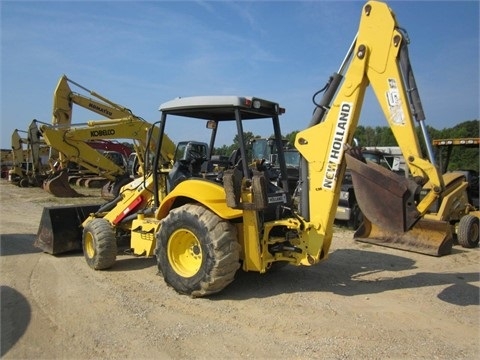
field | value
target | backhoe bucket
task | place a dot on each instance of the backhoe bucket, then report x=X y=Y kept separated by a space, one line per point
x=58 y=185
x=428 y=237
x=387 y=201
x=60 y=228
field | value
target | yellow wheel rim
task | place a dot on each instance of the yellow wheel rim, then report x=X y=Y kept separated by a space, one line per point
x=184 y=253
x=89 y=246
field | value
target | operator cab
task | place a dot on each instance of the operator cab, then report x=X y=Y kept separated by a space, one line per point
x=194 y=159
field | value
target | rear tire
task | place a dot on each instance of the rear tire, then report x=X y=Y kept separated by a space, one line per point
x=197 y=251
x=99 y=244
x=468 y=234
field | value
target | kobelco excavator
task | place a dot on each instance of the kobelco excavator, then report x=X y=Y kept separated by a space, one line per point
x=203 y=228
x=70 y=142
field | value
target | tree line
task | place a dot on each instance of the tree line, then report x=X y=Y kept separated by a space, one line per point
x=460 y=158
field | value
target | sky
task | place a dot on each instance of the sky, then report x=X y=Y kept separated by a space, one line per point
x=141 y=54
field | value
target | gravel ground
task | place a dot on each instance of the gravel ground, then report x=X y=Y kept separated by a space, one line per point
x=364 y=302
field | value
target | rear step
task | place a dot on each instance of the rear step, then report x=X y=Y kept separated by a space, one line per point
x=60 y=228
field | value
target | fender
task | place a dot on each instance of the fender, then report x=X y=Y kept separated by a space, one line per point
x=206 y=192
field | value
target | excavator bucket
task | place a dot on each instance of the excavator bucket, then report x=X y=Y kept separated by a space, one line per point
x=59 y=186
x=60 y=228
x=391 y=218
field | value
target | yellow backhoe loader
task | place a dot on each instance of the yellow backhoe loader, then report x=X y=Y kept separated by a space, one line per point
x=71 y=144
x=204 y=227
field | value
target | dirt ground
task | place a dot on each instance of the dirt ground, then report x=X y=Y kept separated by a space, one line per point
x=364 y=302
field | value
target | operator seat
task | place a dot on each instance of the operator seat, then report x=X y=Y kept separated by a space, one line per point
x=233 y=160
x=235 y=157
x=184 y=168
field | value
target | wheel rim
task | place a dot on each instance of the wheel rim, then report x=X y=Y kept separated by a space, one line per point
x=89 y=247
x=184 y=253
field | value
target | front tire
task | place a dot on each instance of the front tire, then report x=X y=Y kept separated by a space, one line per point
x=99 y=244
x=468 y=234
x=197 y=251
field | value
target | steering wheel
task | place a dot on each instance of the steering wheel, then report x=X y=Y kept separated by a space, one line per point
x=196 y=155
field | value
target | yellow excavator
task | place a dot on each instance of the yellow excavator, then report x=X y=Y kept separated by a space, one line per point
x=16 y=173
x=27 y=155
x=71 y=142
x=74 y=145
x=205 y=226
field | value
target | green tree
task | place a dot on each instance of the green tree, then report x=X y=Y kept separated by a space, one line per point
x=291 y=138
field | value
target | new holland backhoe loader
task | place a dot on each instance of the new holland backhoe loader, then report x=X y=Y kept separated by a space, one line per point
x=203 y=228
x=71 y=144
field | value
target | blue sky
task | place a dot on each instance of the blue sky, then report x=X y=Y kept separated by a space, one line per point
x=141 y=54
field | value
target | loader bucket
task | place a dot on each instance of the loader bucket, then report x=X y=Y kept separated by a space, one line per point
x=387 y=201
x=58 y=185
x=60 y=228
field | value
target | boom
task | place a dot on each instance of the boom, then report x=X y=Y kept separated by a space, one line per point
x=64 y=97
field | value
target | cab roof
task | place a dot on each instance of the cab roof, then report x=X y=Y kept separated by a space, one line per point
x=221 y=108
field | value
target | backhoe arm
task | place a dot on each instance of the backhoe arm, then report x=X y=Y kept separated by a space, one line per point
x=377 y=58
